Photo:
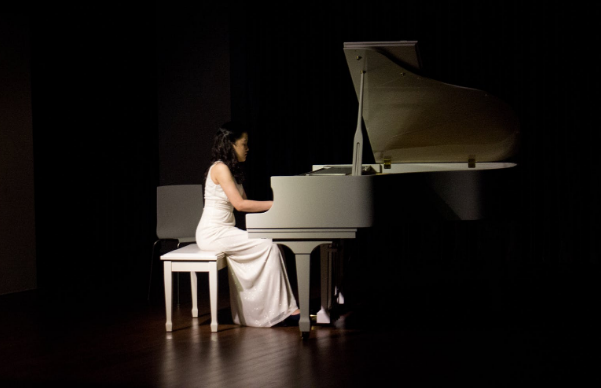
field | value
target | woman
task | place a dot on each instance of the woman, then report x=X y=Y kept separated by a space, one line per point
x=260 y=292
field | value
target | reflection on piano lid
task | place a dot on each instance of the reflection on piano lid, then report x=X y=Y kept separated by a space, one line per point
x=412 y=119
x=342 y=170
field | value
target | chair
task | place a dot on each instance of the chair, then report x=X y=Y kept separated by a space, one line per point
x=179 y=208
x=191 y=259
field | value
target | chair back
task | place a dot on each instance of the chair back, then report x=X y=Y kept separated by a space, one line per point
x=179 y=208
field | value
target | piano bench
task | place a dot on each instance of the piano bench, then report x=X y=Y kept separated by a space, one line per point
x=191 y=259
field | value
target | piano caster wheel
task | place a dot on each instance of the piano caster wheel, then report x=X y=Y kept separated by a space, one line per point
x=305 y=335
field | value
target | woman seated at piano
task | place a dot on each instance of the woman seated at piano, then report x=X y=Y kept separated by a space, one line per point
x=260 y=293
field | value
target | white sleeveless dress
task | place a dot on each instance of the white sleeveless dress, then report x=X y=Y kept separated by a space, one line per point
x=260 y=293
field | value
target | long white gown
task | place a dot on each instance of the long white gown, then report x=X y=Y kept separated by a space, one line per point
x=260 y=293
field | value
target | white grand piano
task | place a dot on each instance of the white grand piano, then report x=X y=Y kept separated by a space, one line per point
x=422 y=133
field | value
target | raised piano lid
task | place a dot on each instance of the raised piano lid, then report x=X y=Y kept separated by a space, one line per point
x=412 y=119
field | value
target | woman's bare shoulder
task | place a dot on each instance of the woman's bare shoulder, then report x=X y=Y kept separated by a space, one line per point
x=220 y=170
x=220 y=167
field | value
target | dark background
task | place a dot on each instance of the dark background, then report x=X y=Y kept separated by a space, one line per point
x=127 y=97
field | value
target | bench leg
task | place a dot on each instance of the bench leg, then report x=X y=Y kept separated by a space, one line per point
x=213 y=295
x=167 y=274
x=193 y=284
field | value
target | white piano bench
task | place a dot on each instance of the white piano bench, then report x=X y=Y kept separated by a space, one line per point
x=191 y=259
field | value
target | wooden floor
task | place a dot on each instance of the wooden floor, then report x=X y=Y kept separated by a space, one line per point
x=108 y=340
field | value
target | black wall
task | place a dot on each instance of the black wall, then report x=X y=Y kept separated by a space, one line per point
x=193 y=78
x=17 y=216
x=96 y=142
x=95 y=145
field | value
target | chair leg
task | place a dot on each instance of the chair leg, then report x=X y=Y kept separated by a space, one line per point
x=213 y=287
x=151 y=262
x=161 y=240
x=177 y=287
x=168 y=289
x=179 y=245
x=193 y=286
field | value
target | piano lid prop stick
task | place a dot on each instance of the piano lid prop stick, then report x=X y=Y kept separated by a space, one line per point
x=358 y=142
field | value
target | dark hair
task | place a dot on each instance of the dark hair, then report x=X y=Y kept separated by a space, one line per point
x=223 y=149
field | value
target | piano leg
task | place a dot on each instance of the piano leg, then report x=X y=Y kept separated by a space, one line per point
x=302 y=253
x=323 y=315
x=303 y=271
x=332 y=275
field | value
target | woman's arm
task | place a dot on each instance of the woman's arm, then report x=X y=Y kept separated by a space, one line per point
x=221 y=175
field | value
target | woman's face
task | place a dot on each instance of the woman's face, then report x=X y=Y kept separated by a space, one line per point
x=241 y=147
